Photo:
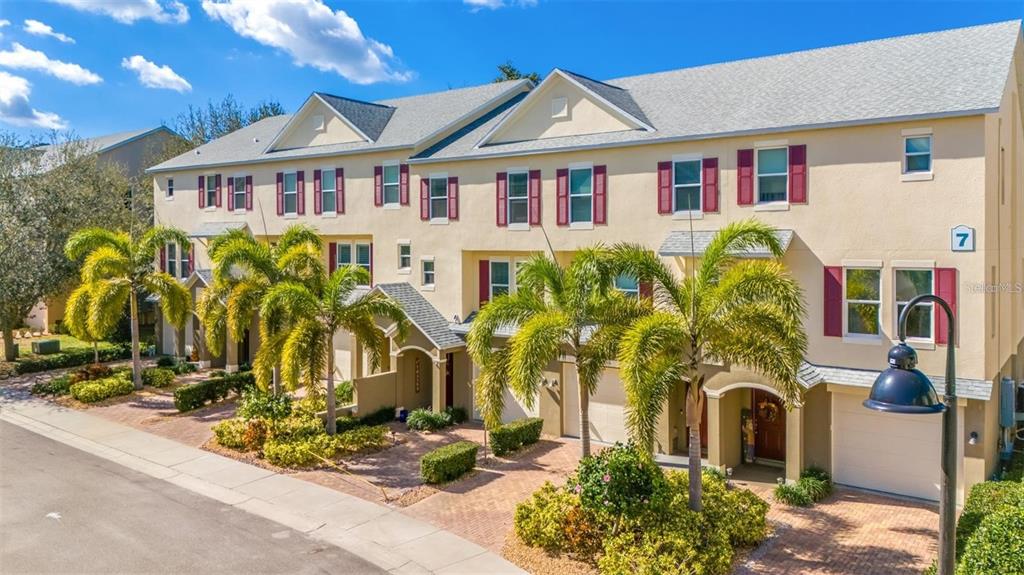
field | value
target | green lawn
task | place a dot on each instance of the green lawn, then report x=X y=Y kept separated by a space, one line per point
x=67 y=343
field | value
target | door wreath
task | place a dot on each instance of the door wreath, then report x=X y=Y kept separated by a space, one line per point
x=767 y=411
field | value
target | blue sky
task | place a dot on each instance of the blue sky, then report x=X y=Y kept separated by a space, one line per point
x=96 y=67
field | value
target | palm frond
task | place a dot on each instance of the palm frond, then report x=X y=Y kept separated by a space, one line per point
x=751 y=281
x=288 y=302
x=76 y=313
x=243 y=254
x=86 y=240
x=107 y=299
x=646 y=397
x=304 y=356
x=175 y=299
x=734 y=239
x=533 y=347
x=297 y=235
x=155 y=238
x=489 y=388
x=243 y=302
x=213 y=315
x=303 y=263
x=508 y=310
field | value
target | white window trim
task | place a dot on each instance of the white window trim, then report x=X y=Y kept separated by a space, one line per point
x=180 y=262
x=697 y=214
x=324 y=213
x=353 y=247
x=580 y=166
x=430 y=199
x=210 y=206
x=426 y=286
x=169 y=189
x=519 y=226
x=383 y=185
x=775 y=205
x=284 y=194
x=917 y=176
x=511 y=274
x=917 y=341
x=862 y=338
x=238 y=210
x=407 y=270
x=627 y=292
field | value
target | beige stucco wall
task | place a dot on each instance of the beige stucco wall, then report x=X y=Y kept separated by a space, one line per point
x=302 y=133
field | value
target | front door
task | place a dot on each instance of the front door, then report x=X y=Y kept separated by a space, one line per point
x=449 y=380
x=769 y=426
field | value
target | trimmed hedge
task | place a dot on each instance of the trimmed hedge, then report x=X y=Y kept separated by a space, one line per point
x=69 y=359
x=214 y=389
x=984 y=499
x=814 y=485
x=100 y=389
x=57 y=386
x=157 y=377
x=511 y=436
x=998 y=544
x=385 y=414
x=448 y=462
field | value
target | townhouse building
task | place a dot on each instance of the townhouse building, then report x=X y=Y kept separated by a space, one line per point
x=890 y=168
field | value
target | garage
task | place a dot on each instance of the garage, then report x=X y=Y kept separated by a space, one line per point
x=607 y=414
x=887 y=452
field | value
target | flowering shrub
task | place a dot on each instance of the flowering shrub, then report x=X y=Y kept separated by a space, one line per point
x=259 y=404
x=619 y=479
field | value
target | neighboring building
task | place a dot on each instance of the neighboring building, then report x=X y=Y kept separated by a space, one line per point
x=132 y=151
x=866 y=157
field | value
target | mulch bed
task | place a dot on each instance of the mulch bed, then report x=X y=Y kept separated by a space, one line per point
x=540 y=562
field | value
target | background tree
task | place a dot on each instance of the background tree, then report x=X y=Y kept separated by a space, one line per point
x=747 y=312
x=46 y=194
x=573 y=309
x=508 y=71
x=198 y=125
x=117 y=268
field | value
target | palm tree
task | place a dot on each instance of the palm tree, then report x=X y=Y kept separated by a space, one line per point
x=117 y=269
x=244 y=269
x=76 y=319
x=742 y=311
x=573 y=310
x=307 y=314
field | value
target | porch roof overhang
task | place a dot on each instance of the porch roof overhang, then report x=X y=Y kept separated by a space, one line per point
x=213 y=229
x=966 y=388
x=422 y=315
x=686 y=243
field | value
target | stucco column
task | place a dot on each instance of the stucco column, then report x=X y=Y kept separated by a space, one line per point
x=179 y=340
x=230 y=354
x=200 y=345
x=715 y=456
x=356 y=358
x=794 y=443
x=437 y=391
x=663 y=436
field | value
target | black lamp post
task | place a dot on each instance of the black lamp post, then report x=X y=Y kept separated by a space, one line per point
x=903 y=389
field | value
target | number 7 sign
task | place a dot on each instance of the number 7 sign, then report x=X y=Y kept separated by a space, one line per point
x=962 y=239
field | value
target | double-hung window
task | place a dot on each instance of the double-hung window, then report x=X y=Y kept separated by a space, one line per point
x=917 y=154
x=354 y=254
x=863 y=301
x=363 y=256
x=439 y=197
x=328 y=192
x=581 y=195
x=686 y=183
x=428 y=272
x=910 y=284
x=772 y=175
x=518 y=197
x=291 y=193
x=391 y=176
x=211 y=191
x=238 y=189
x=628 y=285
x=404 y=257
x=169 y=190
x=177 y=260
x=501 y=278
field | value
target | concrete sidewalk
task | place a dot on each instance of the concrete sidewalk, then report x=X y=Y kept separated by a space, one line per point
x=382 y=535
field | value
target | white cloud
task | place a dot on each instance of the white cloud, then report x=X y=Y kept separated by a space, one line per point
x=129 y=11
x=312 y=34
x=4 y=23
x=15 y=109
x=38 y=28
x=153 y=76
x=477 y=5
x=20 y=57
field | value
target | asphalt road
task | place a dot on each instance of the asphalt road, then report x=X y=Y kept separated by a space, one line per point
x=66 y=511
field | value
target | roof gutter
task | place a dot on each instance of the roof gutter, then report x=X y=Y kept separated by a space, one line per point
x=157 y=169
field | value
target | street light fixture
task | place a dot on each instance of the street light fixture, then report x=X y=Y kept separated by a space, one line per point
x=904 y=389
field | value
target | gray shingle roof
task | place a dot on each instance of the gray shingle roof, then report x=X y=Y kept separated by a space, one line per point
x=370 y=118
x=214 y=229
x=424 y=316
x=965 y=387
x=618 y=96
x=946 y=73
x=97 y=145
x=678 y=243
x=415 y=119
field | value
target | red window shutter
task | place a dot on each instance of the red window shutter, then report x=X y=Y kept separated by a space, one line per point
x=798 y=174
x=600 y=194
x=191 y=258
x=485 y=281
x=833 y=312
x=300 y=192
x=280 y=193
x=248 y=193
x=332 y=257
x=501 y=199
x=317 y=193
x=378 y=185
x=424 y=198
x=710 y=184
x=403 y=184
x=202 y=191
x=945 y=287
x=646 y=289
x=163 y=256
x=535 y=197
x=339 y=189
x=453 y=198
x=745 y=177
x=231 y=194
x=562 y=193
x=664 y=187
x=217 y=184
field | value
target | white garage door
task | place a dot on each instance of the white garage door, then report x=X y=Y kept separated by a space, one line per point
x=607 y=417
x=883 y=451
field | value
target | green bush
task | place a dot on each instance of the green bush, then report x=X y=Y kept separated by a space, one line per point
x=157 y=377
x=619 y=479
x=815 y=488
x=344 y=391
x=1014 y=470
x=997 y=546
x=100 y=389
x=309 y=405
x=214 y=389
x=69 y=359
x=309 y=451
x=166 y=361
x=257 y=404
x=984 y=499
x=457 y=415
x=740 y=512
x=448 y=462
x=183 y=367
x=296 y=427
x=91 y=372
x=231 y=433
x=343 y=424
x=540 y=521
x=511 y=436
x=793 y=494
x=57 y=386
x=385 y=414
x=363 y=438
x=427 y=420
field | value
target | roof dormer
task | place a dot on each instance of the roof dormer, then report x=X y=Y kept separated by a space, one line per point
x=325 y=119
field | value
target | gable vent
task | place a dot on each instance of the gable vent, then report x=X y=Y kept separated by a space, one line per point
x=559 y=107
